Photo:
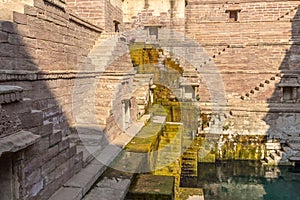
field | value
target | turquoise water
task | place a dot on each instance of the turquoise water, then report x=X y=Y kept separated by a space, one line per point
x=245 y=180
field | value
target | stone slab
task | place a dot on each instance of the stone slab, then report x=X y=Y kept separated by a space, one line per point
x=17 y=141
x=86 y=177
x=152 y=187
x=67 y=193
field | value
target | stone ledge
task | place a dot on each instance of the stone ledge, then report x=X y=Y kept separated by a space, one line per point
x=17 y=141
x=67 y=194
x=59 y=3
x=9 y=94
x=21 y=75
x=73 y=17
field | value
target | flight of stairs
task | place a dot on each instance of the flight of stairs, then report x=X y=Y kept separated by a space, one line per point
x=288 y=13
x=261 y=87
x=169 y=151
x=110 y=62
x=276 y=154
x=189 y=162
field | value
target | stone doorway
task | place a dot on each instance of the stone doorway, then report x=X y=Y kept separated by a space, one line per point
x=7 y=183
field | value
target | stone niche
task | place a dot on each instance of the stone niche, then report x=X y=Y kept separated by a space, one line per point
x=189 y=90
x=289 y=85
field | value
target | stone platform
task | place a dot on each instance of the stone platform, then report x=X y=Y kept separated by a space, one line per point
x=149 y=186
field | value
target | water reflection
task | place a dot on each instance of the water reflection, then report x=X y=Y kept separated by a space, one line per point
x=245 y=180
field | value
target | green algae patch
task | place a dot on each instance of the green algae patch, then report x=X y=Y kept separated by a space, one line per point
x=206 y=156
x=146 y=139
x=147 y=186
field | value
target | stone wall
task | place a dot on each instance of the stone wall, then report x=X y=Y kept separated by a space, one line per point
x=252 y=54
x=100 y=12
x=41 y=51
x=166 y=13
x=256 y=43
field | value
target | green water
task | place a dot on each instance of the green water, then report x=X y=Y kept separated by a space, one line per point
x=238 y=180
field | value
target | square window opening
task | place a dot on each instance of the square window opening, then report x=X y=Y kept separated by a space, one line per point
x=233 y=15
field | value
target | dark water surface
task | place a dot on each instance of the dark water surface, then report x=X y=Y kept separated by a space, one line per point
x=238 y=180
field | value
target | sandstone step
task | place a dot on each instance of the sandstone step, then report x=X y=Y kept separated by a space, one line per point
x=273 y=145
x=282 y=154
x=269 y=160
x=275 y=157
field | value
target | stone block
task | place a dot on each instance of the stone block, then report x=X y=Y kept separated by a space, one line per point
x=32 y=119
x=32 y=164
x=19 y=18
x=9 y=50
x=64 y=144
x=3 y=37
x=50 y=189
x=56 y=137
x=48 y=167
x=62 y=157
x=76 y=162
x=44 y=143
x=62 y=171
x=273 y=145
x=44 y=130
x=29 y=10
x=146 y=185
x=73 y=150
x=52 y=152
x=7 y=26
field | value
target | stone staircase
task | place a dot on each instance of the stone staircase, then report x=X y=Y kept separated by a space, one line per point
x=111 y=67
x=189 y=161
x=277 y=153
x=292 y=149
x=107 y=49
x=288 y=13
x=169 y=151
x=261 y=87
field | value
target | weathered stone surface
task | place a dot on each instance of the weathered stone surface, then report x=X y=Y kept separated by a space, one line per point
x=161 y=187
x=86 y=177
x=17 y=141
x=67 y=194
x=32 y=119
x=56 y=137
